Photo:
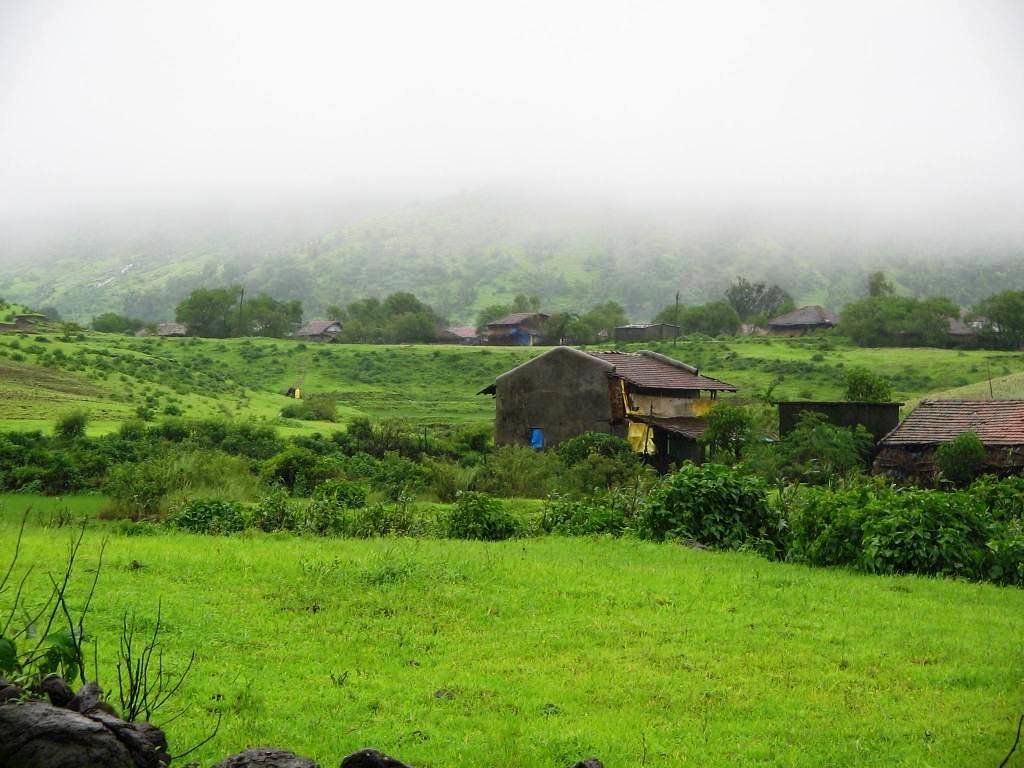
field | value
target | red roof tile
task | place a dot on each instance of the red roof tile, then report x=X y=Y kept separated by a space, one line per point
x=813 y=315
x=653 y=371
x=997 y=422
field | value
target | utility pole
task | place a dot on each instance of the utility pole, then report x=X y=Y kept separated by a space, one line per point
x=675 y=337
x=241 y=298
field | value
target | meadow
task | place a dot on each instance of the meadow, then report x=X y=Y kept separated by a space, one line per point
x=117 y=378
x=542 y=651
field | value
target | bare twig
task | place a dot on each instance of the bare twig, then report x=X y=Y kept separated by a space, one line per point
x=1006 y=760
x=207 y=740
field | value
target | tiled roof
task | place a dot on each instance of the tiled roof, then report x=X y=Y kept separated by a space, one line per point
x=687 y=426
x=172 y=329
x=516 y=318
x=462 y=331
x=997 y=422
x=654 y=371
x=813 y=315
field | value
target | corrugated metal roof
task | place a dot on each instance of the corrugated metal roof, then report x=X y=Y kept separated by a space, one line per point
x=997 y=422
x=317 y=327
x=516 y=318
x=812 y=315
x=653 y=371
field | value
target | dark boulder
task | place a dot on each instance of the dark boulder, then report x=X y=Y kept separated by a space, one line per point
x=371 y=758
x=58 y=691
x=87 y=699
x=266 y=757
x=35 y=734
x=591 y=762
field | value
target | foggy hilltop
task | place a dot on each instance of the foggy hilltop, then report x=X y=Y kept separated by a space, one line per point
x=577 y=152
x=463 y=252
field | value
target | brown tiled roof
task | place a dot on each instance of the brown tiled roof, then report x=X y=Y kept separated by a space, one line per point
x=687 y=426
x=653 y=371
x=997 y=422
x=516 y=318
x=462 y=331
x=813 y=315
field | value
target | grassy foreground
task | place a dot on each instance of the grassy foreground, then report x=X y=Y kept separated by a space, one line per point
x=539 y=652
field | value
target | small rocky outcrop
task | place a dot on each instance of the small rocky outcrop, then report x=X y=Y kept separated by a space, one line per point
x=35 y=733
x=591 y=762
x=266 y=757
x=371 y=758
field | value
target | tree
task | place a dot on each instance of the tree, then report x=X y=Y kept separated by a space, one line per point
x=896 y=321
x=1003 y=316
x=71 y=424
x=210 y=312
x=728 y=429
x=266 y=316
x=878 y=285
x=866 y=387
x=962 y=459
x=716 y=318
x=757 y=300
x=602 y=317
x=400 y=318
x=111 y=322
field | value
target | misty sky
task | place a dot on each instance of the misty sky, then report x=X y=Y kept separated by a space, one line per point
x=863 y=103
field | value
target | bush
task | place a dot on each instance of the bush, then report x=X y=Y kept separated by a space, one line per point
x=577 y=449
x=728 y=430
x=582 y=517
x=313 y=408
x=138 y=489
x=816 y=451
x=271 y=512
x=962 y=459
x=326 y=513
x=478 y=516
x=212 y=516
x=293 y=468
x=72 y=424
x=864 y=386
x=448 y=479
x=711 y=504
x=514 y=470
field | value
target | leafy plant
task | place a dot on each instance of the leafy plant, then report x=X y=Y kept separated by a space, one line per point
x=962 y=459
x=479 y=516
x=865 y=386
x=213 y=516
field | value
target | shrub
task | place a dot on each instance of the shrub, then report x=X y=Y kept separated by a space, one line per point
x=212 y=516
x=816 y=451
x=313 y=408
x=728 y=429
x=577 y=449
x=864 y=386
x=292 y=468
x=448 y=479
x=478 y=516
x=581 y=517
x=711 y=504
x=72 y=424
x=326 y=513
x=271 y=512
x=383 y=520
x=962 y=459
x=514 y=470
x=137 y=489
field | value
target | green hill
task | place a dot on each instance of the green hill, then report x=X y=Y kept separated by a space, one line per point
x=463 y=253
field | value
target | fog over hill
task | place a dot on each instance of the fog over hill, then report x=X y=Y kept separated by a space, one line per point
x=580 y=151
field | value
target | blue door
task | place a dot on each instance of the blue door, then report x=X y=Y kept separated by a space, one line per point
x=536 y=438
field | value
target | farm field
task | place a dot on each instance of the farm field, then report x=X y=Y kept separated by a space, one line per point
x=117 y=378
x=538 y=652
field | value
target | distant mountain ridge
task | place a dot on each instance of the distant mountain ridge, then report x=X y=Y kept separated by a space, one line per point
x=465 y=252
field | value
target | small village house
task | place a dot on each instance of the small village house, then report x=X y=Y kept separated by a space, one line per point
x=802 y=321
x=657 y=403
x=24 y=323
x=172 y=329
x=646 y=332
x=908 y=452
x=458 y=334
x=520 y=329
x=319 y=331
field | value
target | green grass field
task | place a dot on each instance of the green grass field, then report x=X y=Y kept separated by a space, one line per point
x=114 y=376
x=539 y=652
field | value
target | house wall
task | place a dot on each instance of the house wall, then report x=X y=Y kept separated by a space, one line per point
x=656 y=332
x=564 y=392
x=916 y=463
x=668 y=407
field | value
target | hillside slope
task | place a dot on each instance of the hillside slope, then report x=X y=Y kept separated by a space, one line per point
x=466 y=252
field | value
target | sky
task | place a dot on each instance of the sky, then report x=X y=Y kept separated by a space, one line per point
x=901 y=104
